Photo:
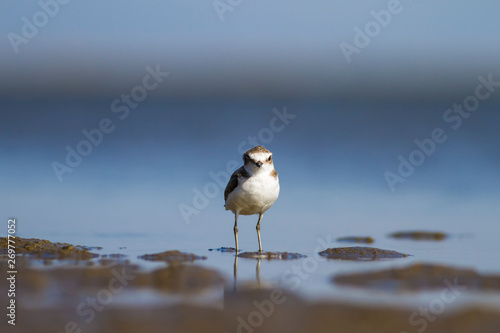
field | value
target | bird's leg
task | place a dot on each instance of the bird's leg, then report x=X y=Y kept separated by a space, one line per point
x=257 y=271
x=236 y=230
x=235 y=271
x=258 y=231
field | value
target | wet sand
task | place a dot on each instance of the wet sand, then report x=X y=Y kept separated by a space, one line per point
x=240 y=315
x=421 y=276
x=88 y=292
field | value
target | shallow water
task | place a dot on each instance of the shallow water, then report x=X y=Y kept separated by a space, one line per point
x=311 y=277
x=331 y=158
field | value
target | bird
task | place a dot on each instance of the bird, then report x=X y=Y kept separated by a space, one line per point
x=253 y=188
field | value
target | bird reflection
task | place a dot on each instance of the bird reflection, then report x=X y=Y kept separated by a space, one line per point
x=257 y=272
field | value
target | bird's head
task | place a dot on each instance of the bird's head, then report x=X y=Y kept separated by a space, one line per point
x=258 y=159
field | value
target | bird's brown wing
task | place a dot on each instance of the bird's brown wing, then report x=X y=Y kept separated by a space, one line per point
x=233 y=181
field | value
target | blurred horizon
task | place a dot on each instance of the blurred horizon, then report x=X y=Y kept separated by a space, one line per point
x=262 y=49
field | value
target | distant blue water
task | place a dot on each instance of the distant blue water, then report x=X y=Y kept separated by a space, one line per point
x=331 y=158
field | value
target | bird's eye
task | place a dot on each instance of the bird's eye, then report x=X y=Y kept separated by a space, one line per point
x=270 y=158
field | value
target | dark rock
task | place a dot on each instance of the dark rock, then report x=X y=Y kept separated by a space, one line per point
x=360 y=253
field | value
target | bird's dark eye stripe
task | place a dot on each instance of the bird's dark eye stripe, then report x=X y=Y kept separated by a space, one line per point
x=248 y=159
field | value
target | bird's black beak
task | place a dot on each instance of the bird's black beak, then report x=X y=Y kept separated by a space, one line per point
x=259 y=164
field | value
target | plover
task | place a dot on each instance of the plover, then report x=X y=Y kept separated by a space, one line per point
x=253 y=188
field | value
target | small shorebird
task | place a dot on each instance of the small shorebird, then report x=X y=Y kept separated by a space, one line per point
x=253 y=188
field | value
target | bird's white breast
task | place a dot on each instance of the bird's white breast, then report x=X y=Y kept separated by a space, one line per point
x=254 y=195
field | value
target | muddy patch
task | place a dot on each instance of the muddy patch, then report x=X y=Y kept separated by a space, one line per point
x=419 y=235
x=112 y=259
x=247 y=313
x=114 y=256
x=224 y=249
x=291 y=313
x=271 y=255
x=185 y=279
x=421 y=277
x=44 y=249
x=63 y=284
x=360 y=253
x=173 y=256
x=354 y=239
